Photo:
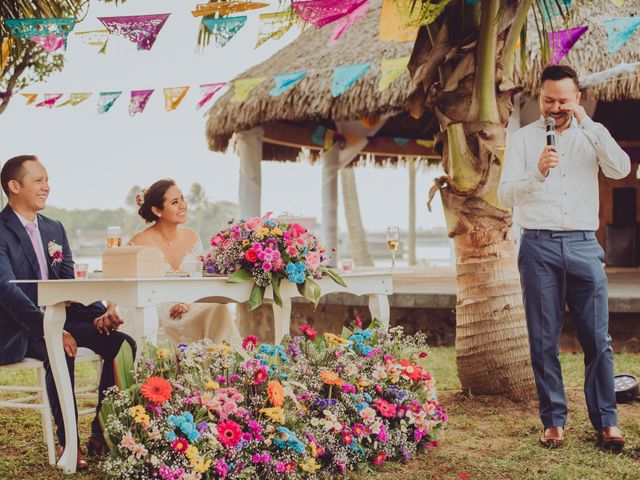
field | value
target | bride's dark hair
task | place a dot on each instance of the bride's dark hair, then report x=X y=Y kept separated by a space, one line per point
x=154 y=197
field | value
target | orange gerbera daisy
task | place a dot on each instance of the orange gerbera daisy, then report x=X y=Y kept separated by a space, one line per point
x=275 y=391
x=331 y=378
x=156 y=390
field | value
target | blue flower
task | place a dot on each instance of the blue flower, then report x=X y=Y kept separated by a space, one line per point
x=284 y=376
x=193 y=436
x=366 y=349
x=187 y=416
x=367 y=334
x=356 y=338
x=367 y=397
x=362 y=405
x=171 y=436
x=290 y=268
x=300 y=278
x=301 y=267
x=267 y=349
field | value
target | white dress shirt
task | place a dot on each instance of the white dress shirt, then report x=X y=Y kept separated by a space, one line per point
x=567 y=198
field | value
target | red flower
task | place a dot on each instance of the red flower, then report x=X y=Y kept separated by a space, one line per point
x=347 y=438
x=156 y=390
x=414 y=372
x=251 y=255
x=260 y=375
x=249 y=343
x=229 y=433
x=380 y=458
x=180 y=445
x=385 y=408
x=309 y=331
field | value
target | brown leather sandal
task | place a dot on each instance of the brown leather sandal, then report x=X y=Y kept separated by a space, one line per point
x=611 y=438
x=81 y=463
x=552 y=437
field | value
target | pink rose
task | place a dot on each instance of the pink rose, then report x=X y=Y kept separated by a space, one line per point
x=313 y=260
x=254 y=223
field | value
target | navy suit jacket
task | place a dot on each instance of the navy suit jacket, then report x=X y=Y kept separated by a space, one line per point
x=21 y=321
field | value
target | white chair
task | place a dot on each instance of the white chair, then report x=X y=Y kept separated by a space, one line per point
x=37 y=398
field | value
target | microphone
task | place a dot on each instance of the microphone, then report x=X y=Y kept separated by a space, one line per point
x=550 y=126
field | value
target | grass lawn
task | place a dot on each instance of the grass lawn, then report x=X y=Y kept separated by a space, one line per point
x=486 y=438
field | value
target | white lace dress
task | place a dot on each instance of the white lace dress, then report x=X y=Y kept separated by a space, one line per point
x=203 y=320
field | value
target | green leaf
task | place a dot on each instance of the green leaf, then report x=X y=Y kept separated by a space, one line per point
x=306 y=291
x=335 y=277
x=346 y=332
x=275 y=283
x=239 y=276
x=315 y=290
x=257 y=296
x=123 y=367
x=106 y=411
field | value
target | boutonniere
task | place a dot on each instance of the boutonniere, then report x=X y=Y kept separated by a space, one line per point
x=55 y=252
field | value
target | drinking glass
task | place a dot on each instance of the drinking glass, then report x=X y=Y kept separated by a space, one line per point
x=393 y=240
x=347 y=265
x=193 y=268
x=114 y=236
x=80 y=270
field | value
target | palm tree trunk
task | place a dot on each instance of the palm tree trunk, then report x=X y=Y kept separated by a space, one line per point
x=492 y=345
x=357 y=236
x=411 y=241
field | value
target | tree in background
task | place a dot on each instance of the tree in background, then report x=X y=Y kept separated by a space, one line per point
x=26 y=62
x=462 y=67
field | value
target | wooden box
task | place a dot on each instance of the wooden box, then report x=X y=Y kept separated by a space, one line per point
x=128 y=262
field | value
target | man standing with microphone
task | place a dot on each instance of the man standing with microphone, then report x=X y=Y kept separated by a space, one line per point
x=550 y=177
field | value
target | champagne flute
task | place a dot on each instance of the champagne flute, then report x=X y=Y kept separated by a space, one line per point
x=114 y=236
x=393 y=240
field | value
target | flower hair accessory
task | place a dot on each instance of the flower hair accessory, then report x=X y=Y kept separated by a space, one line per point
x=55 y=252
x=140 y=198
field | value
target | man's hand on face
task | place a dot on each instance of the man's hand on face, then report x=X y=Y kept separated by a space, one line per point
x=109 y=322
x=574 y=108
x=69 y=344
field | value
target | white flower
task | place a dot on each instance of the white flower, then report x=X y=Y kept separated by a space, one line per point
x=55 y=252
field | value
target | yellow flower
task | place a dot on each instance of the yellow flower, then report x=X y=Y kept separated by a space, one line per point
x=211 y=385
x=362 y=382
x=276 y=231
x=263 y=231
x=162 y=353
x=245 y=242
x=200 y=466
x=309 y=465
x=334 y=340
x=314 y=449
x=275 y=414
x=137 y=410
x=192 y=453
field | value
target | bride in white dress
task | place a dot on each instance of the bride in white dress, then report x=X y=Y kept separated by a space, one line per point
x=165 y=208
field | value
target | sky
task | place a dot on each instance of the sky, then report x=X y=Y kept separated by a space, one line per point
x=93 y=160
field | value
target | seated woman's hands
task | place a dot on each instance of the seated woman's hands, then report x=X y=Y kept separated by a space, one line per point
x=108 y=322
x=177 y=310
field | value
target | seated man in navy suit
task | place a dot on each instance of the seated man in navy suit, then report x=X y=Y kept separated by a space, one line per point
x=33 y=246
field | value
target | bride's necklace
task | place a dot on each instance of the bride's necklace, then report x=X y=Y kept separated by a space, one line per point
x=167 y=241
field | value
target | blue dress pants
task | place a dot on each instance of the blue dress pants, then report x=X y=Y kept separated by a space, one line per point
x=558 y=268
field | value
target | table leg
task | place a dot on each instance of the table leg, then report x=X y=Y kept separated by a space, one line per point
x=282 y=320
x=54 y=318
x=379 y=308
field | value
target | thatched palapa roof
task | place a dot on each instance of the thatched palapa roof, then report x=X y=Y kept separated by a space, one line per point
x=290 y=119
x=589 y=55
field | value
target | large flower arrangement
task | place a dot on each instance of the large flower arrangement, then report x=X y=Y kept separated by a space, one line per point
x=308 y=408
x=268 y=251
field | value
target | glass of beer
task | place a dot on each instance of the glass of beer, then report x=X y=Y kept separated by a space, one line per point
x=393 y=240
x=114 y=237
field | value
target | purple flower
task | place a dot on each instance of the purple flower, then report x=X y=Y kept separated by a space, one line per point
x=256 y=458
x=233 y=377
x=203 y=427
x=265 y=457
x=182 y=347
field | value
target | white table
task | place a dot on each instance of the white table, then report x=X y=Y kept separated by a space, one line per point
x=144 y=294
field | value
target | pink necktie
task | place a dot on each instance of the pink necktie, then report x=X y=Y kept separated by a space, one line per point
x=37 y=246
